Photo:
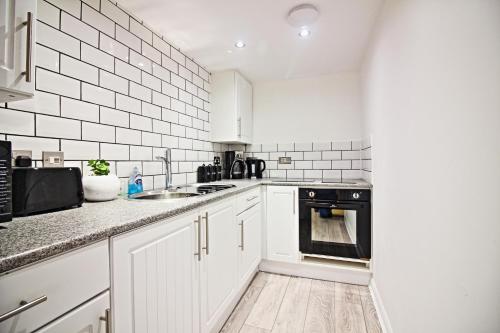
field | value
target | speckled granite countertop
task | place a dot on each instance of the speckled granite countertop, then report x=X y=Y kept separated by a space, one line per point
x=30 y=239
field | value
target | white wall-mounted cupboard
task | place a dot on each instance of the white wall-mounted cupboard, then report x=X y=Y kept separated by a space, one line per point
x=232 y=108
x=17 y=47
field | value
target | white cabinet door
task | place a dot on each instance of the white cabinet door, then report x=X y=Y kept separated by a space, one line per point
x=282 y=223
x=244 y=96
x=17 y=46
x=155 y=278
x=87 y=318
x=219 y=263
x=249 y=224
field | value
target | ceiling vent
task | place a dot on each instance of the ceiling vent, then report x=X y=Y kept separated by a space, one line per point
x=302 y=15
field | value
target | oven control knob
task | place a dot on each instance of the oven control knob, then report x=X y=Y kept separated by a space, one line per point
x=355 y=195
x=312 y=194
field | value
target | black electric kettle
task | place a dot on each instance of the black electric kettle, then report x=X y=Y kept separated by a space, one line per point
x=238 y=169
x=255 y=167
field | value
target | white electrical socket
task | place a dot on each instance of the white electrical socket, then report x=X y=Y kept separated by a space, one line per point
x=53 y=159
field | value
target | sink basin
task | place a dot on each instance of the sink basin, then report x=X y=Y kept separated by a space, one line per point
x=162 y=195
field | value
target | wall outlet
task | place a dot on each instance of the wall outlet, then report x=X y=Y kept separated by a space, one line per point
x=285 y=160
x=16 y=153
x=53 y=159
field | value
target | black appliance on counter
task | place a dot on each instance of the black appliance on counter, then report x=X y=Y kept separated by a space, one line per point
x=202 y=175
x=218 y=168
x=234 y=166
x=40 y=190
x=5 y=181
x=255 y=167
x=335 y=222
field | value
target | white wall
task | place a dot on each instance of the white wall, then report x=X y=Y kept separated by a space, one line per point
x=325 y=108
x=432 y=103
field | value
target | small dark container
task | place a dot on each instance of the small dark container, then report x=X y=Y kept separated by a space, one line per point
x=202 y=174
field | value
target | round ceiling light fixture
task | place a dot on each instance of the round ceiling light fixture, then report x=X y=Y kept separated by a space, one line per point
x=302 y=15
x=240 y=44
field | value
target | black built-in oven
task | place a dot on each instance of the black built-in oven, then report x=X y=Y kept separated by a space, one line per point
x=335 y=222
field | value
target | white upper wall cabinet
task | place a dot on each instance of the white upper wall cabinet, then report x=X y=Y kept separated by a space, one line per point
x=17 y=47
x=232 y=109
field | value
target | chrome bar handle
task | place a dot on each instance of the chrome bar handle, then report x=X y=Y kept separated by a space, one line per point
x=107 y=320
x=29 y=45
x=242 y=230
x=293 y=202
x=252 y=198
x=23 y=306
x=206 y=233
x=198 y=236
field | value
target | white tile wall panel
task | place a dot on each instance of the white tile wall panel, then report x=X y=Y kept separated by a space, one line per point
x=114 y=117
x=140 y=92
x=191 y=133
x=48 y=13
x=332 y=174
x=198 y=145
x=161 y=45
x=295 y=155
x=341 y=165
x=303 y=164
x=151 y=111
x=204 y=74
x=162 y=127
x=185 y=120
x=159 y=181
x=93 y=3
x=206 y=86
x=185 y=143
x=356 y=144
x=203 y=115
x=128 y=136
x=332 y=155
x=303 y=146
x=169 y=64
x=141 y=31
x=113 y=47
x=290 y=166
x=351 y=174
x=76 y=28
x=98 y=95
x=269 y=147
x=57 y=40
x=178 y=130
x=312 y=155
x=185 y=73
x=179 y=179
x=202 y=155
x=41 y=103
x=36 y=145
x=286 y=146
x=341 y=145
x=203 y=94
x=114 y=152
x=262 y=156
x=272 y=156
x=150 y=81
x=97 y=20
x=185 y=166
x=71 y=6
x=47 y=58
x=140 y=122
x=351 y=155
x=198 y=81
x=191 y=88
x=198 y=123
x=57 y=84
x=177 y=81
x=178 y=56
x=97 y=58
x=161 y=72
x=124 y=169
x=170 y=141
x=320 y=146
x=98 y=132
x=152 y=168
x=295 y=174
x=151 y=139
x=192 y=66
x=150 y=52
x=198 y=102
x=161 y=100
x=56 y=127
x=140 y=61
x=356 y=164
x=315 y=174
x=114 y=13
x=253 y=148
x=277 y=173
x=79 y=70
x=178 y=106
x=128 y=39
x=127 y=103
x=72 y=108
x=127 y=71
x=169 y=89
x=113 y=82
x=80 y=150
x=141 y=153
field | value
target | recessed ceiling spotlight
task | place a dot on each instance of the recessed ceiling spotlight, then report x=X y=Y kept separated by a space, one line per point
x=304 y=32
x=240 y=44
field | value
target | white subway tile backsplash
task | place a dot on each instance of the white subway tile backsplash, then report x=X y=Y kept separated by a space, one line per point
x=161 y=45
x=192 y=66
x=114 y=152
x=170 y=141
x=161 y=72
x=150 y=81
x=341 y=145
x=161 y=100
x=141 y=153
x=312 y=155
x=198 y=81
x=151 y=139
x=113 y=82
x=162 y=127
x=48 y=13
x=47 y=58
x=97 y=20
x=169 y=64
x=351 y=155
x=295 y=174
x=204 y=74
x=57 y=40
x=177 y=81
x=114 y=117
x=78 y=69
x=128 y=39
x=269 y=147
x=320 y=146
x=57 y=84
x=97 y=132
x=332 y=174
x=185 y=97
x=70 y=6
x=56 y=127
x=98 y=95
x=93 y=3
x=112 y=47
x=185 y=73
x=169 y=115
x=97 y=58
x=298 y=155
x=127 y=71
x=36 y=145
x=303 y=146
x=140 y=62
x=124 y=169
x=72 y=108
x=198 y=102
x=332 y=155
x=303 y=165
x=141 y=31
x=128 y=136
x=322 y=164
x=277 y=173
x=341 y=165
x=80 y=150
x=140 y=92
x=152 y=168
x=114 y=13
x=41 y=103
x=178 y=130
x=150 y=52
x=76 y=28
x=129 y=104
x=169 y=90
x=151 y=111
x=313 y=174
x=178 y=56
x=178 y=106
x=351 y=174
x=140 y=122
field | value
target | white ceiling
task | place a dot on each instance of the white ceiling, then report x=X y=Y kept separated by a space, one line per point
x=206 y=29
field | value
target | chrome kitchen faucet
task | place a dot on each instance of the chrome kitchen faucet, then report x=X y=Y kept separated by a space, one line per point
x=168 y=167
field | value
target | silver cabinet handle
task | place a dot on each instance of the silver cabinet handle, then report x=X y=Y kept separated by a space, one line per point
x=29 y=45
x=293 y=202
x=239 y=126
x=206 y=233
x=23 y=306
x=252 y=198
x=198 y=236
x=242 y=230
x=107 y=320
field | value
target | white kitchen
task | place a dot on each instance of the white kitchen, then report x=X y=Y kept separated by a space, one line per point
x=187 y=166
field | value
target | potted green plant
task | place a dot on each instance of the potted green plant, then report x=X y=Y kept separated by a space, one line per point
x=100 y=185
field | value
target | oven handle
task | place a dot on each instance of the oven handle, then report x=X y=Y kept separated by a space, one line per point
x=332 y=205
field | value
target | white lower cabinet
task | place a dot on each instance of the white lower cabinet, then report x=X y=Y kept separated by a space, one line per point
x=249 y=224
x=282 y=223
x=155 y=278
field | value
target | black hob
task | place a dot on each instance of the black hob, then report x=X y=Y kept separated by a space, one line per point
x=211 y=188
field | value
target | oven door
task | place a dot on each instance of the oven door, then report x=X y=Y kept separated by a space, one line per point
x=338 y=229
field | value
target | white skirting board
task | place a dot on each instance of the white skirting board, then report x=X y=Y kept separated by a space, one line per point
x=318 y=271
x=379 y=307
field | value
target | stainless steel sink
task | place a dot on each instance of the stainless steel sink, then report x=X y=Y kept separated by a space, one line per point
x=162 y=195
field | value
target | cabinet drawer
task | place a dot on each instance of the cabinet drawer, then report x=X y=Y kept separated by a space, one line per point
x=247 y=199
x=66 y=281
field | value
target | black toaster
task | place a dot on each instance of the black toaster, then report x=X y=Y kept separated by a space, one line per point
x=40 y=190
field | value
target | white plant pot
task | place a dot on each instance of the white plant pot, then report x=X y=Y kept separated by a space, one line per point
x=101 y=188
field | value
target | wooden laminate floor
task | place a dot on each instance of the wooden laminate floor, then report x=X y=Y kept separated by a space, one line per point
x=278 y=303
